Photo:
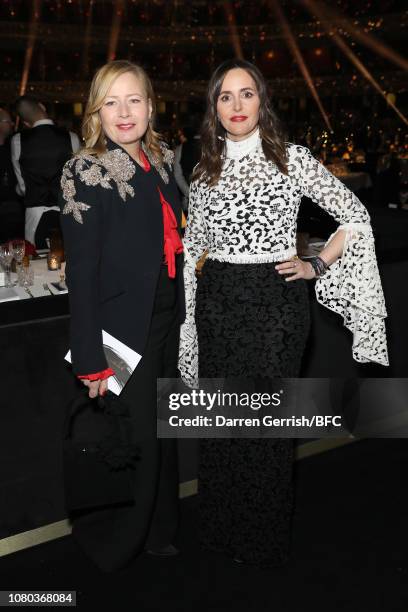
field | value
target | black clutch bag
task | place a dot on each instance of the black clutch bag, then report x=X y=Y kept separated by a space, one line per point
x=99 y=457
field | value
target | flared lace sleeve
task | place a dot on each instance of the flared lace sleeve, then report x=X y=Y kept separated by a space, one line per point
x=195 y=243
x=352 y=285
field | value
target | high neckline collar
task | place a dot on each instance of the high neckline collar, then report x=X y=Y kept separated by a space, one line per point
x=236 y=150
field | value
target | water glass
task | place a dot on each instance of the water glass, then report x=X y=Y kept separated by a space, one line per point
x=6 y=257
x=25 y=276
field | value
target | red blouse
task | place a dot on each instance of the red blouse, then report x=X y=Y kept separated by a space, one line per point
x=172 y=247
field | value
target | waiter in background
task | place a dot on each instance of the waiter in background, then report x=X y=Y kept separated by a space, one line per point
x=11 y=208
x=38 y=155
x=7 y=178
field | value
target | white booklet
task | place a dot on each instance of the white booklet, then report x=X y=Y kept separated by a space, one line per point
x=122 y=359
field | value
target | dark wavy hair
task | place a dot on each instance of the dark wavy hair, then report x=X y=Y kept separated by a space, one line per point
x=213 y=134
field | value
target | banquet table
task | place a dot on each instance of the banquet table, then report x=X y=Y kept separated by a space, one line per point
x=37 y=302
x=42 y=275
x=37 y=384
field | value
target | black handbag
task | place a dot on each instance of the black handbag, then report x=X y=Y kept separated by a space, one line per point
x=99 y=456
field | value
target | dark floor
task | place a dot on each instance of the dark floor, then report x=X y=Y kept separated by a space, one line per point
x=350 y=551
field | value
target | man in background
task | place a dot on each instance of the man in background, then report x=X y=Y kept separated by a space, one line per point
x=38 y=154
x=11 y=212
x=7 y=178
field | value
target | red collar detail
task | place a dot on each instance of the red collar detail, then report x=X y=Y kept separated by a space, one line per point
x=145 y=161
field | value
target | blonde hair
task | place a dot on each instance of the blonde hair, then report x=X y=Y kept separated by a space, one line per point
x=101 y=83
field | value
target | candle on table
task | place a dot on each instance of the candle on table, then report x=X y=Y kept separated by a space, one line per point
x=54 y=261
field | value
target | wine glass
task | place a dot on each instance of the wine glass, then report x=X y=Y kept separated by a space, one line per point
x=19 y=252
x=6 y=257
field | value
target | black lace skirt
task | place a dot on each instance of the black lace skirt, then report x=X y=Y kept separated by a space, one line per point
x=252 y=324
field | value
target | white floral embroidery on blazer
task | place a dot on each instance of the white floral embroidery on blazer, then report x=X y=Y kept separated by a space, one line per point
x=114 y=166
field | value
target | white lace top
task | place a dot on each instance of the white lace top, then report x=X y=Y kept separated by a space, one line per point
x=250 y=216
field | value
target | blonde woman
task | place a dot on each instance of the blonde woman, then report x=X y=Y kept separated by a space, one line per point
x=120 y=216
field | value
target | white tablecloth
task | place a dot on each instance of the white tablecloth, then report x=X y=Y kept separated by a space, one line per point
x=41 y=275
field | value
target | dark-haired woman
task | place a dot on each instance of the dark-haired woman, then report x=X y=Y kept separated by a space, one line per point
x=250 y=316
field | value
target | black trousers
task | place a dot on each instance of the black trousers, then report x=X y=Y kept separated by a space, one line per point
x=112 y=537
x=252 y=324
x=49 y=221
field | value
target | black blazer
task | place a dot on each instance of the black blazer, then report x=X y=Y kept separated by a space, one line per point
x=112 y=223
